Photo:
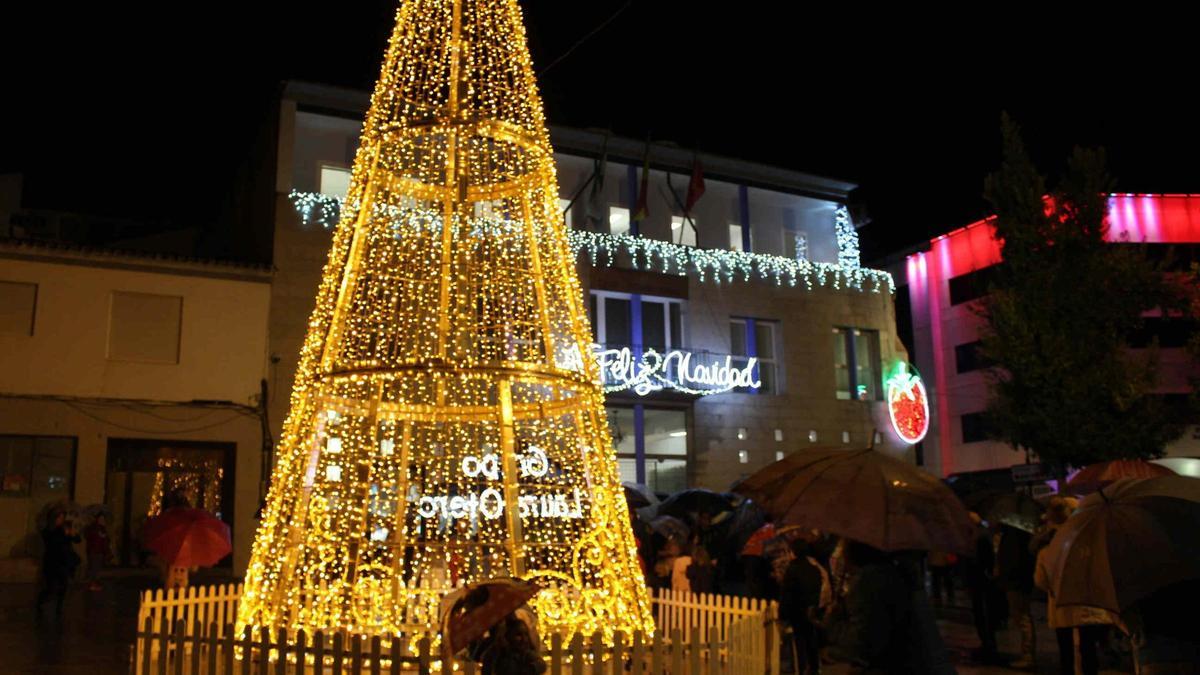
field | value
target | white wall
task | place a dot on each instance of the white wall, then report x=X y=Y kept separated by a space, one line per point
x=222 y=341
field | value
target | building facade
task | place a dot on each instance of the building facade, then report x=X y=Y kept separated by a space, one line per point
x=938 y=320
x=729 y=334
x=127 y=376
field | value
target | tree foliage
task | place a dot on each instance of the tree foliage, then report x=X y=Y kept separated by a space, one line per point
x=1062 y=304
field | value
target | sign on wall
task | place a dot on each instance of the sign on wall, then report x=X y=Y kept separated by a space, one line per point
x=696 y=373
x=908 y=404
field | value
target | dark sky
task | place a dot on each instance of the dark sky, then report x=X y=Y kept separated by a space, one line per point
x=145 y=112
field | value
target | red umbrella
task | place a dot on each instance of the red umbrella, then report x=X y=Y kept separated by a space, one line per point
x=188 y=537
x=1095 y=476
x=757 y=541
x=470 y=611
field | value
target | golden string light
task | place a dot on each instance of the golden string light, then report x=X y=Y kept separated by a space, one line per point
x=445 y=426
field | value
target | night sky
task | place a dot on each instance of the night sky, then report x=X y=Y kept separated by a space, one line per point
x=146 y=113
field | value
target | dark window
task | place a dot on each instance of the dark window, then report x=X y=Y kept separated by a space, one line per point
x=975 y=428
x=857 y=365
x=968 y=357
x=654 y=326
x=618 y=324
x=765 y=345
x=904 y=325
x=970 y=286
x=1171 y=333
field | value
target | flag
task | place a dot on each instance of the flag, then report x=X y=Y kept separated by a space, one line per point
x=597 y=207
x=641 y=211
x=695 y=187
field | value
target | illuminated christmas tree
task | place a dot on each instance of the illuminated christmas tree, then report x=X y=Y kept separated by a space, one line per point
x=447 y=421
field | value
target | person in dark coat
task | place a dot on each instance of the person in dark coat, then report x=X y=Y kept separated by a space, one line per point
x=977 y=572
x=800 y=594
x=1014 y=575
x=58 y=562
x=872 y=628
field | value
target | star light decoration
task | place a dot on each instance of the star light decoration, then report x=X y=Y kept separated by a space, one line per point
x=440 y=432
x=717 y=265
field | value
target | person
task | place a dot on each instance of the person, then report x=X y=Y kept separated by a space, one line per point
x=58 y=561
x=941 y=576
x=679 y=572
x=664 y=565
x=871 y=628
x=98 y=549
x=511 y=649
x=1089 y=623
x=804 y=591
x=702 y=571
x=1165 y=642
x=1014 y=575
x=977 y=572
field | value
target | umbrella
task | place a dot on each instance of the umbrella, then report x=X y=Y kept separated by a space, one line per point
x=862 y=495
x=1125 y=542
x=696 y=500
x=671 y=528
x=470 y=611
x=93 y=510
x=742 y=523
x=638 y=495
x=1016 y=509
x=758 y=541
x=1184 y=466
x=187 y=537
x=1095 y=476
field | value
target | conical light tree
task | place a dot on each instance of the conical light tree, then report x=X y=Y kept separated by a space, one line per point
x=447 y=421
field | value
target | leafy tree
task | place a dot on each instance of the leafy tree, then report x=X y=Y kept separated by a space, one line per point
x=1065 y=386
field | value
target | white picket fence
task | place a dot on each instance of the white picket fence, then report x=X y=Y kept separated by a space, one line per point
x=190 y=632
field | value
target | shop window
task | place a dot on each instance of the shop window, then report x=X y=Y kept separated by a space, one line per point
x=683 y=231
x=756 y=338
x=144 y=327
x=335 y=181
x=856 y=364
x=18 y=302
x=664 y=441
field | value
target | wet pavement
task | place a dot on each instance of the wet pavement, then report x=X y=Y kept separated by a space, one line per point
x=96 y=633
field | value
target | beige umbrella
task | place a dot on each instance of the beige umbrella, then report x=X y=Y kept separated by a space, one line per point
x=1128 y=540
x=863 y=495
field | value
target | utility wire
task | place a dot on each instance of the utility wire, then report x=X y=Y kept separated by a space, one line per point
x=585 y=38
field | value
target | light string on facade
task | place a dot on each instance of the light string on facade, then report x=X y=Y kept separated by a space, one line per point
x=716 y=265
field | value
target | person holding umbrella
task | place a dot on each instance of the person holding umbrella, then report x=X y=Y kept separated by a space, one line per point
x=184 y=539
x=59 y=560
x=1089 y=623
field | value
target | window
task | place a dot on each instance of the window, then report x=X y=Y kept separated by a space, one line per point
x=683 y=231
x=736 y=243
x=795 y=245
x=335 y=181
x=663 y=439
x=967 y=357
x=17 y=304
x=856 y=364
x=144 y=327
x=975 y=428
x=39 y=467
x=613 y=323
x=756 y=338
x=970 y=286
x=618 y=220
x=564 y=207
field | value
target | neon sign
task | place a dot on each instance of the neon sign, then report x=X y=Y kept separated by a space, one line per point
x=679 y=370
x=908 y=405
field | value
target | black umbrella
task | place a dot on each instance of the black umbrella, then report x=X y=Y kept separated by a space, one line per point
x=1016 y=509
x=697 y=500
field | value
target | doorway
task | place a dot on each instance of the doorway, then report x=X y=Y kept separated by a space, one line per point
x=144 y=472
